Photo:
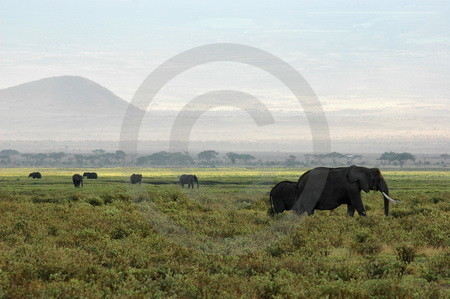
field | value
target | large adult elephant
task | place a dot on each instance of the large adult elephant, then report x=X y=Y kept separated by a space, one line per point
x=282 y=197
x=77 y=180
x=90 y=175
x=188 y=179
x=136 y=178
x=35 y=175
x=327 y=188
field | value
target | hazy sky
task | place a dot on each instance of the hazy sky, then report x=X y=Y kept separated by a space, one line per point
x=381 y=68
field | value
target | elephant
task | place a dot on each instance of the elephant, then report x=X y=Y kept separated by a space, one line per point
x=35 y=175
x=283 y=197
x=327 y=188
x=77 y=180
x=90 y=175
x=188 y=179
x=136 y=178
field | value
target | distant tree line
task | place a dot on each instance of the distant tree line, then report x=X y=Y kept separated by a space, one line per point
x=98 y=158
x=211 y=158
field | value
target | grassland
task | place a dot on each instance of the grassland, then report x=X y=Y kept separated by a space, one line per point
x=112 y=238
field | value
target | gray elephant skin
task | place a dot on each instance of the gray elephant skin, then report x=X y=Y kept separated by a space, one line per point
x=189 y=179
x=282 y=197
x=327 y=188
x=77 y=180
x=35 y=175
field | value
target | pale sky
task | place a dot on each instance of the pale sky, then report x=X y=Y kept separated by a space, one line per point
x=379 y=67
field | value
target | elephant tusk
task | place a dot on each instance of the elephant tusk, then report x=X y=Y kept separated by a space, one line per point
x=390 y=199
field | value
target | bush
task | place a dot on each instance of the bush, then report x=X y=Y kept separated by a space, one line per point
x=48 y=199
x=95 y=201
x=107 y=198
x=437 y=200
x=75 y=197
x=382 y=267
x=406 y=253
x=436 y=268
x=120 y=233
x=366 y=244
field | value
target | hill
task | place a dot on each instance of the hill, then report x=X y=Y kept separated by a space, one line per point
x=66 y=107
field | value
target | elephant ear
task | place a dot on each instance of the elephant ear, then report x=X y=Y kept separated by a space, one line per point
x=358 y=174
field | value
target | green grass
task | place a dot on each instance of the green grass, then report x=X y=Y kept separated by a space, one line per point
x=114 y=239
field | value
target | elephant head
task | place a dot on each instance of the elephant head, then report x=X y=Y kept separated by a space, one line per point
x=195 y=181
x=370 y=179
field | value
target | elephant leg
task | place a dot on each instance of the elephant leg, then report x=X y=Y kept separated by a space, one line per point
x=356 y=202
x=350 y=210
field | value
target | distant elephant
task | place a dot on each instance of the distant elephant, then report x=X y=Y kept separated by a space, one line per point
x=77 y=180
x=90 y=175
x=188 y=179
x=282 y=197
x=35 y=175
x=327 y=188
x=136 y=178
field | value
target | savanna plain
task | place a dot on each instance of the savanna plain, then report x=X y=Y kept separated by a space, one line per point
x=111 y=238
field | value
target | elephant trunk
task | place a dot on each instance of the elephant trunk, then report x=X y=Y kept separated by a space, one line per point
x=271 y=210
x=383 y=187
x=385 y=191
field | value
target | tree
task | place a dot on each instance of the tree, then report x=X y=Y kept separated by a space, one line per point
x=180 y=159
x=165 y=158
x=99 y=151
x=239 y=157
x=319 y=157
x=308 y=158
x=232 y=157
x=335 y=156
x=57 y=156
x=246 y=157
x=401 y=158
x=350 y=158
x=404 y=157
x=120 y=155
x=208 y=155
x=8 y=153
x=291 y=160
x=388 y=157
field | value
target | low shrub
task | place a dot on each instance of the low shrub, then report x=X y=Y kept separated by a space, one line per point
x=94 y=201
x=48 y=199
x=365 y=243
x=436 y=268
x=406 y=253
